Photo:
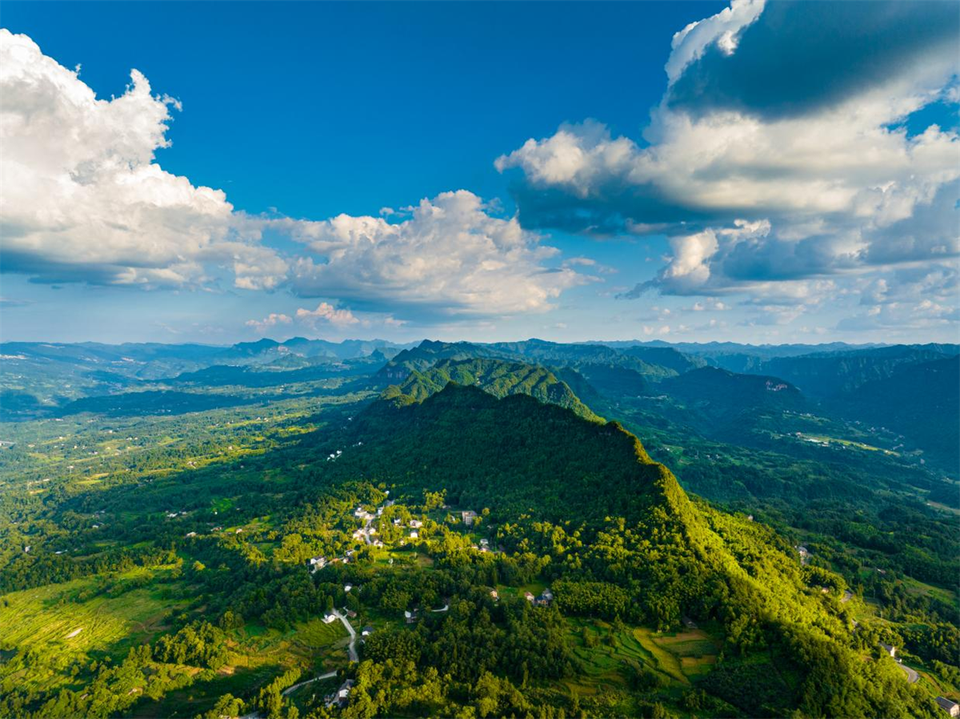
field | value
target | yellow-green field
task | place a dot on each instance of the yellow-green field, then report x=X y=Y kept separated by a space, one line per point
x=69 y=622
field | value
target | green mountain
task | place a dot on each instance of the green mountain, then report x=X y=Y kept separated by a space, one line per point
x=616 y=524
x=553 y=354
x=667 y=357
x=498 y=377
x=427 y=354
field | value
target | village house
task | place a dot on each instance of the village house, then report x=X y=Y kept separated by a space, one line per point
x=416 y=523
x=529 y=596
x=414 y=534
x=469 y=517
x=317 y=562
x=341 y=696
x=951 y=708
x=347 y=587
x=892 y=651
x=366 y=631
x=545 y=598
x=495 y=594
x=410 y=617
x=329 y=618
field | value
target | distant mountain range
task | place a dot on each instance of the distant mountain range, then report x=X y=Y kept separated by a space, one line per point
x=715 y=387
x=500 y=378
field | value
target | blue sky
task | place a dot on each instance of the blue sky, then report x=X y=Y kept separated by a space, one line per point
x=646 y=187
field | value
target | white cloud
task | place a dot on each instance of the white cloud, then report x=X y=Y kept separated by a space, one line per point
x=327 y=313
x=838 y=182
x=450 y=257
x=269 y=322
x=83 y=198
x=722 y=30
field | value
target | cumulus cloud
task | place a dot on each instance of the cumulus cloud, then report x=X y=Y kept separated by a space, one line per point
x=452 y=255
x=326 y=312
x=789 y=118
x=83 y=198
x=269 y=322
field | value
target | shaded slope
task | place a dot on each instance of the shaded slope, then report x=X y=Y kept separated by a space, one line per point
x=922 y=402
x=722 y=394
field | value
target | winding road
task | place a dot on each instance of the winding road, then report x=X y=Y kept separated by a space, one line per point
x=290 y=690
x=912 y=675
x=352 y=647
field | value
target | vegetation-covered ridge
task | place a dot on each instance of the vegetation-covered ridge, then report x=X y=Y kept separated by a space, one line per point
x=612 y=520
x=498 y=377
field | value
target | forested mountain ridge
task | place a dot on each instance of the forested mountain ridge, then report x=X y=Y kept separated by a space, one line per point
x=832 y=374
x=498 y=377
x=626 y=523
x=428 y=353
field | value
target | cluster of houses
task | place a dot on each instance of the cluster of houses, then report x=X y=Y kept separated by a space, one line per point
x=317 y=563
x=365 y=533
x=544 y=600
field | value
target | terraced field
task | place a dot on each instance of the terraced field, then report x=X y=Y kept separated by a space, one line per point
x=610 y=656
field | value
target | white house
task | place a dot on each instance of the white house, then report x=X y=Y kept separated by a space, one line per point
x=951 y=708
x=329 y=618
